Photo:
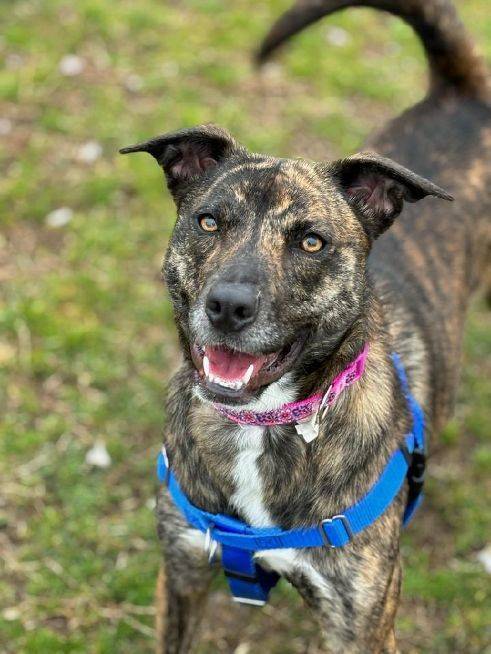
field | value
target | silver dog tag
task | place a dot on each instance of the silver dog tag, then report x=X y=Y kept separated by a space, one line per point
x=309 y=429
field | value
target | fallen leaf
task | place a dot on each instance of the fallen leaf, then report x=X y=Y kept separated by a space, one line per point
x=98 y=456
x=59 y=217
x=71 y=65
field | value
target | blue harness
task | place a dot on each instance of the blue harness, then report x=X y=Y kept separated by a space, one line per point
x=248 y=581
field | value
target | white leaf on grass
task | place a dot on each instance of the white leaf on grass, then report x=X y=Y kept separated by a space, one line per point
x=484 y=557
x=71 y=65
x=89 y=152
x=272 y=71
x=98 y=456
x=11 y=613
x=59 y=217
x=337 y=36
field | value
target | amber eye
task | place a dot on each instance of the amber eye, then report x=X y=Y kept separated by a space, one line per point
x=207 y=223
x=312 y=243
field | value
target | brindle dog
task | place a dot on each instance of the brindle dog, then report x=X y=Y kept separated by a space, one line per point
x=269 y=267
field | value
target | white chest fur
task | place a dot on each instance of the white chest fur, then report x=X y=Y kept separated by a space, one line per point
x=248 y=500
x=248 y=496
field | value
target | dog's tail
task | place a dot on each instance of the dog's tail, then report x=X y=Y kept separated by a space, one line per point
x=453 y=61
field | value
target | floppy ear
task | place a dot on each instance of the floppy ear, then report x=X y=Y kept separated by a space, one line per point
x=186 y=155
x=377 y=187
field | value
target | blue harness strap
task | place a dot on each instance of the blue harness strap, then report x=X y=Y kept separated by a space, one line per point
x=416 y=471
x=248 y=581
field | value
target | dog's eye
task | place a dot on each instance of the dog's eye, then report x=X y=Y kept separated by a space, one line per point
x=207 y=223
x=312 y=243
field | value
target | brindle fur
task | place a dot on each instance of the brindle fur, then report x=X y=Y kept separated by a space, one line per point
x=410 y=295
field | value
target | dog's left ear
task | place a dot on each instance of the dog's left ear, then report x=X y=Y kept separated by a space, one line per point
x=186 y=155
x=377 y=187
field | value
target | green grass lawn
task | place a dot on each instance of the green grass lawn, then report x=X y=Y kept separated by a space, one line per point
x=87 y=336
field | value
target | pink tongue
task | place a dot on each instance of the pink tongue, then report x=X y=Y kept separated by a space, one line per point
x=231 y=365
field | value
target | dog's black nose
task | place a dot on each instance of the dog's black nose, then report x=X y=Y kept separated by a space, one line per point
x=231 y=307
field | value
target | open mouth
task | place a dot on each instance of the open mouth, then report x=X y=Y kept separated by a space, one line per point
x=228 y=373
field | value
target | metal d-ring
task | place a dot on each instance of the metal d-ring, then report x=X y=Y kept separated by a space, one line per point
x=323 y=406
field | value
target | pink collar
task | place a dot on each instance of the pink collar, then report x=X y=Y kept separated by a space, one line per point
x=294 y=412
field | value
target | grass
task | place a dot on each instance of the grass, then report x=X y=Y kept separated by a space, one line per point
x=87 y=335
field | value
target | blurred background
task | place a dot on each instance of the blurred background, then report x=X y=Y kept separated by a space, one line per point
x=87 y=335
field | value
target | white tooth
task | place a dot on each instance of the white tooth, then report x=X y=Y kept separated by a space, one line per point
x=230 y=384
x=206 y=365
x=234 y=385
x=248 y=374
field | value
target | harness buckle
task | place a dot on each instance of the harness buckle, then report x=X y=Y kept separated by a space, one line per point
x=211 y=544
x=327 y=521
x=416 y=472
x=248 y=600
x=241 y=576
x=408 y=457
x=163 y=467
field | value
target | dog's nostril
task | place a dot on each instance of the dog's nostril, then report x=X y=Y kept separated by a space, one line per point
x=214 y=306
x=243 y=312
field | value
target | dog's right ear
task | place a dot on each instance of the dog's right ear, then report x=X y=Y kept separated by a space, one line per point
x=186 y=155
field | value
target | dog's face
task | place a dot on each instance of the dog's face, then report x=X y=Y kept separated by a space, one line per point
x=266 y=265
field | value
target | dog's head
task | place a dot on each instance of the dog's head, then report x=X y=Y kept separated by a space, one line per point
x=266 y=264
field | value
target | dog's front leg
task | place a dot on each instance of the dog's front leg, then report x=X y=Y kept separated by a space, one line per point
x=181 y=598
x=354 y=596
x=183 y=582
